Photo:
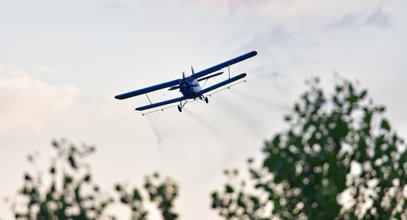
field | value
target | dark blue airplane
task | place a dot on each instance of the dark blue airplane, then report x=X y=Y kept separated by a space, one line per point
x=189 y=86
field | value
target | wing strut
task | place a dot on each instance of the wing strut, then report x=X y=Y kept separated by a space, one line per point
x=149 y=99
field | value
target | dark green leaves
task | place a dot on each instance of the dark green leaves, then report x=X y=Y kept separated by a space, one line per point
x=72 y=194
x=229 y=188
x=385 y=125
x=334 y=145
x=68 y=177
x=163 y=194
x=27 y=177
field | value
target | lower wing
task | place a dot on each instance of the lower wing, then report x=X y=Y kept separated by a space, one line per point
x=160 y=104
x=223 y=83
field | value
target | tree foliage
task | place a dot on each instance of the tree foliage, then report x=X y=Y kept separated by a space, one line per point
x=67 y=191
x=338 y=159
x=70 y=192
x=162 y=194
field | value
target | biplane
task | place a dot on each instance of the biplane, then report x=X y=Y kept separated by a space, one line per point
x=189 y=85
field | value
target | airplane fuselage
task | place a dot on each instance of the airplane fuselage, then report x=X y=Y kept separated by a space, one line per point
x=190 y=88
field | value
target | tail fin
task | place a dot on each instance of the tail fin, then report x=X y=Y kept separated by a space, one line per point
x=192 y=70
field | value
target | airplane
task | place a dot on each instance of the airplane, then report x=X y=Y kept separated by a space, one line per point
x=189 y=85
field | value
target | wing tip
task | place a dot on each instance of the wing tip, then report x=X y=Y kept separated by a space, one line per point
x=118 y=97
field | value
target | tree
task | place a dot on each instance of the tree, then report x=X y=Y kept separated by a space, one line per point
x=339 y=158
x=163 y=194
x=160 y=192
x=68 y=191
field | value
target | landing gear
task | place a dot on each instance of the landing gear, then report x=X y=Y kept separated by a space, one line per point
x=203 y=98
x=181 y=105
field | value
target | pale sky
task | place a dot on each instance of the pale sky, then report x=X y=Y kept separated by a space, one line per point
x=62 y=62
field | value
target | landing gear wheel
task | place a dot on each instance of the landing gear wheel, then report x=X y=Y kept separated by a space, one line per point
x=206 y=100
x=179 y=108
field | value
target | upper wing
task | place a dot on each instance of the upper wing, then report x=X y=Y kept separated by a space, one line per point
x=224 y=64
x=160 y=103
x=235 y=78
x=147 y=89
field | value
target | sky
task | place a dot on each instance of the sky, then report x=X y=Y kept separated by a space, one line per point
x=62 y=62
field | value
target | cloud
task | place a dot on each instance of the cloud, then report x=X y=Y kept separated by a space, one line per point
x=45 y=69
x=377 y=17
x=29 y=103
x=348 y=20
x=272 y=37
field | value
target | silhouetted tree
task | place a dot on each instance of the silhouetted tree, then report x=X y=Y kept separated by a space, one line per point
x=70 y=192
x=67 y=191
x=160 y=192
x=339 y=158
x=163 y=194
x=134 y=200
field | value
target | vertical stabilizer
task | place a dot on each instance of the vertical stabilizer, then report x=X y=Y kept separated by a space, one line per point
x=192 y=70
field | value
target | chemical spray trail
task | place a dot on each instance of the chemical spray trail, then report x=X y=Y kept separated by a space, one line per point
x=238 y=113
x=247 y=126
x=265 y=80
x=213 y=136
x=171 y=130
x=157 y=129
x=229 y=151
x=197 y=118
x=257 y=100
